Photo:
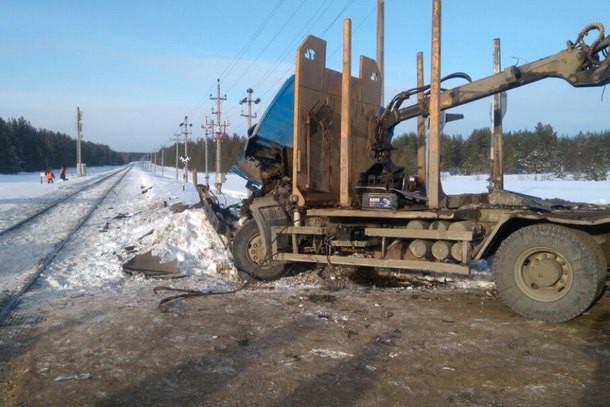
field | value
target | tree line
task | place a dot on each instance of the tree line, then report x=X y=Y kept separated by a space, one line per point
x=25 y=148
x=586 y=155
x=541 y=151
x=231 y=148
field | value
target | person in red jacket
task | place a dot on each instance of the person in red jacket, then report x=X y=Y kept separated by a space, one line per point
x=50 y=176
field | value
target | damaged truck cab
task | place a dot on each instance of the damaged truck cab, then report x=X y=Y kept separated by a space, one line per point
x=324 y=189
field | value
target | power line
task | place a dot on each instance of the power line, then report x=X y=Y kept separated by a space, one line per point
x=293 y=44
x=268 y=44
x=347 y=5
x=313 y=20
x=240 y=54
x=317 y=15
x=297 y=38
x=320 y=12
x=252 y=39
x=360 y=24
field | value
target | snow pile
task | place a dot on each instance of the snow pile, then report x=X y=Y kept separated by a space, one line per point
x=138 y=219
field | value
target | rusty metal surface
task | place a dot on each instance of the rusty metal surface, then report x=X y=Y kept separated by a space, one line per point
x=496 y=156
x=582 y=216
x=580 y=64
x=316 y=144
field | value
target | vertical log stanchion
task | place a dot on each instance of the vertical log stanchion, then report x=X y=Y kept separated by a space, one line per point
x=346 y=112
x=435 y=122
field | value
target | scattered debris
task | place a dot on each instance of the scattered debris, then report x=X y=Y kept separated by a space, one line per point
x=317 y=298
x=178 y=207
x=150 y=232
x=75 y=376
x=150 y=265
x=332 y=354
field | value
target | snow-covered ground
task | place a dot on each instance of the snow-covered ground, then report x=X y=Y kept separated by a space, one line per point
x=541 y=185
x=138 y=218
x=134 y=220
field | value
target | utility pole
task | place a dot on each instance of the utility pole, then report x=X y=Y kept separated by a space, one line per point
x=219 y=134
x=162 y=163
x=79 y=129
x=186 y=159
x=176 y=138
x=249 y=101
x=205 y=150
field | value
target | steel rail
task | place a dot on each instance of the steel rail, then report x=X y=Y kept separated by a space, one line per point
x=8 y=307
x=55 y=203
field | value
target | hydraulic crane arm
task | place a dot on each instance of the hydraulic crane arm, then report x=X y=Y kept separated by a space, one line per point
x=580 y=64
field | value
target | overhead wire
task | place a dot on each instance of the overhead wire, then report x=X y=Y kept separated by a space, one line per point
x=320 y=12
x=360 y=24
x=317 y=15
x=248 y=43
x=240 y=54
x=296 y=10
x=313 y=20
x=232 y=110
x=283 y=76
x=296 y=39
x=292 y=46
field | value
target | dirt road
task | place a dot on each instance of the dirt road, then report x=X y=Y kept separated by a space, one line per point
x=300 y=345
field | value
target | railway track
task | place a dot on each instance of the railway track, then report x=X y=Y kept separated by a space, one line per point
x=29 y=245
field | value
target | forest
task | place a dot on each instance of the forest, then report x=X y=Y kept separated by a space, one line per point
x=25 y=148
x=538 y=151
x=231 y=148
x=541 y=151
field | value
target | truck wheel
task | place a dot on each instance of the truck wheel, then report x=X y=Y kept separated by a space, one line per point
x=602 y=265
x=249 y=254
x=549 y=272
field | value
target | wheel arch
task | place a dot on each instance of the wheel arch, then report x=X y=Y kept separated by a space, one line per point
x=501 y=231
x=504 y=228
x=268 y=213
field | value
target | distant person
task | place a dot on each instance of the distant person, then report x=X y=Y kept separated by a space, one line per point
x=50 y=176
x=62 y=173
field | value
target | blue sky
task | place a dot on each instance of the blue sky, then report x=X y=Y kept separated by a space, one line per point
x=136 y=68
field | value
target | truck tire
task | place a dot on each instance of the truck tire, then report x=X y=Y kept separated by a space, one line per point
x=549 y=272
x=249 y=254
x=602 y=264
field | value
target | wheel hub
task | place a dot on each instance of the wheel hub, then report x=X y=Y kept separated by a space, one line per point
x=544 y=271
x=256 y=249
x=543 y=274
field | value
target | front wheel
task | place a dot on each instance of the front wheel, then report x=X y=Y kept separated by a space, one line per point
x=249 y=254
x=549 y=272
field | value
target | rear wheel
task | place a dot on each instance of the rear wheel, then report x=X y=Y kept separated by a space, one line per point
x=249 y=254
x=549 y=272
